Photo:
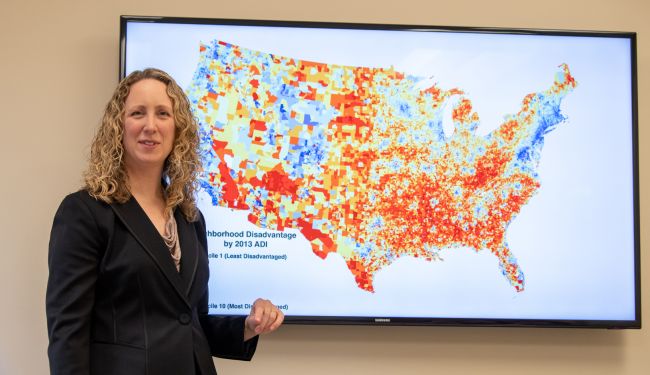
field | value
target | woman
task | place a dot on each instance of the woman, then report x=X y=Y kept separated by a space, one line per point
x=127 y=289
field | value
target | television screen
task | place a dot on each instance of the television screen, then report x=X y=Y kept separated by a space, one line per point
x=396 y=174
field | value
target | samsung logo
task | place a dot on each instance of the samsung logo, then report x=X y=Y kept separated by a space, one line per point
x=382 y=320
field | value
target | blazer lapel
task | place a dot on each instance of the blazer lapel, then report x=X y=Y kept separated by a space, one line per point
x=138 y=224
x=189 y=251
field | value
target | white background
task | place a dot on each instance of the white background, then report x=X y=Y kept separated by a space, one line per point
x=574 y=240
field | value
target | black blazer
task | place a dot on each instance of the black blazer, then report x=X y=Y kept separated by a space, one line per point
x=115 y=303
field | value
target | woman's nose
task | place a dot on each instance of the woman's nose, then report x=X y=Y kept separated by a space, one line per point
x=150 y=123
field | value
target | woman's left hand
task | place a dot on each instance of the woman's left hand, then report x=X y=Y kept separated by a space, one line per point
x=264 y=317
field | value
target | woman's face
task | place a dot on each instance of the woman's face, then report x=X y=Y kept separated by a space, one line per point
x=148 y=125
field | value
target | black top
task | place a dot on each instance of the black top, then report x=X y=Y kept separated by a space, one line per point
x=116 y=304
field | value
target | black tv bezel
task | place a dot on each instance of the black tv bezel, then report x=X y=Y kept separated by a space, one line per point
x=433 y=321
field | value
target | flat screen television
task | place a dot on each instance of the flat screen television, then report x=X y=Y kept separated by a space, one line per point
x=408 y=174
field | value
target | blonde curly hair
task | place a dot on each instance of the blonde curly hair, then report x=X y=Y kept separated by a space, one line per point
x=106 y=178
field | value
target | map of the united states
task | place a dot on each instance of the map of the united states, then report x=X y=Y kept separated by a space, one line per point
x=356 y=158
